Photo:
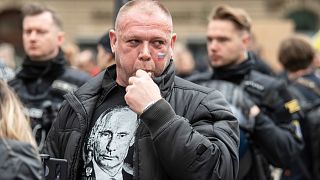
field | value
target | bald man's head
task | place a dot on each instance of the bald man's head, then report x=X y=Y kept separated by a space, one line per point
x=149 y=7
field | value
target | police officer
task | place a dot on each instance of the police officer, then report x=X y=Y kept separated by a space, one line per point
x=275 y=138
x=297 y=56
x=44 y=77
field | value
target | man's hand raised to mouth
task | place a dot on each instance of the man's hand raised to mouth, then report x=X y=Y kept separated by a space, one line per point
x=141 y=91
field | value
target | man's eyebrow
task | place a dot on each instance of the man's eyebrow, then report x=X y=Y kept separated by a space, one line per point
x=105 y=131
x=124 y=132
x=130 y=36
x=159 y=37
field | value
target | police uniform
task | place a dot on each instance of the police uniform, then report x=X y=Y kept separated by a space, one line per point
x=276 y=138
x=40 y=85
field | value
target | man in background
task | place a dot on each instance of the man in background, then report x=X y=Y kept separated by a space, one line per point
x=275 y=138
x=105 y=56
x=86 y=62
x=44 y=77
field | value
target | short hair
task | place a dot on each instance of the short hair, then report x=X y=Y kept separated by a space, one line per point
x=147 y=6
x=295 y=53
x=104 y=41
x=239 y=17
x=36 y=9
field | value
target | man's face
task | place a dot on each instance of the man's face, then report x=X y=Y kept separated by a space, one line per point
x=41 y=37
x=225 y=44
x=114 y=139
x=142 y=41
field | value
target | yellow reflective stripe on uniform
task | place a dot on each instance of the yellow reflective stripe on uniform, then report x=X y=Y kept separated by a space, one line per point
x=292 y=106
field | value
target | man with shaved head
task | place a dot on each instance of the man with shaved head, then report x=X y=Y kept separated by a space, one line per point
x=183 y=131
x=44 y=78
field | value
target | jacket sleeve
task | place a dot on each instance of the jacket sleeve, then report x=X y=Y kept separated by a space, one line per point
x=56 y=143
x=278 y=143
x=278 y=134
x=206 y=149
x=63 y=140
x=51 y=146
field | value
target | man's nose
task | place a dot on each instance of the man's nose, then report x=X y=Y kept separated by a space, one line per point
x=213 y=45
x=33 y=35
x=111 y=145
x=144 y=54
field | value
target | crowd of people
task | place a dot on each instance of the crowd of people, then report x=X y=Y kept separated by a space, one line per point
x=135 y=107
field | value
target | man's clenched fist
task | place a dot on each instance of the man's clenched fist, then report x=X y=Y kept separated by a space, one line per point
x=141 y=91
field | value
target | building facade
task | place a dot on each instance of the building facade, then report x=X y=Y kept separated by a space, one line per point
x=85 y=21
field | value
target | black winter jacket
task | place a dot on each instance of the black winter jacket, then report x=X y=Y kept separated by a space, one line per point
x=37 y=81
x=41 y=86
x=275 y=134
x=189 y=135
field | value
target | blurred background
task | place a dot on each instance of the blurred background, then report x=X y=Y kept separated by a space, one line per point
x=86 y=20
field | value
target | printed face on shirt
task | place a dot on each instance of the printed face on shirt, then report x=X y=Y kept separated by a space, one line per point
x=113 y=138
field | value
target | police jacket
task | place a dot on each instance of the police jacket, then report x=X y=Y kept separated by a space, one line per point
x=307 y=90
x=19 y=160
x=275 y=136
x=40 y=82
x=190 y=134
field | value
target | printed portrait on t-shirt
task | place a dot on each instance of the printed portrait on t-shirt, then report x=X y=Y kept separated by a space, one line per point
x=108 y=144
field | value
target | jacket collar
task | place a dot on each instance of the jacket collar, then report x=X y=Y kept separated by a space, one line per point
x=235 y=73
x=50 y=68
x=165 y=80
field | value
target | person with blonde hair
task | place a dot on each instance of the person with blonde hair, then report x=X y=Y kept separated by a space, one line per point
x=19 y=158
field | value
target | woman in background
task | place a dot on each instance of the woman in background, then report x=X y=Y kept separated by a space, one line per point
x=19 y=157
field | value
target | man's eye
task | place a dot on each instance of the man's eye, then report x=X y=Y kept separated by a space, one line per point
x=158 y=43
x=123 y=134
x=222 y=40
x=105 y=133
x=27 y=32
x=133 y=42
x=42 y=32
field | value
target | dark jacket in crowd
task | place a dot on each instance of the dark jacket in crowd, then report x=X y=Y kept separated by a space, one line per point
x=307 y=90
x=42 y=84
x=190 y=134
x=276 y=138
x=19 y=160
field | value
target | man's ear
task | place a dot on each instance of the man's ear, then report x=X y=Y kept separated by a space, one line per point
x=173 y=41
x=60 y=38
x=246 y=39
x=113 y=39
